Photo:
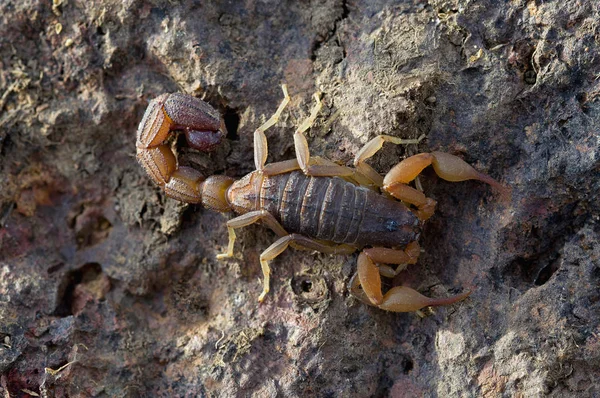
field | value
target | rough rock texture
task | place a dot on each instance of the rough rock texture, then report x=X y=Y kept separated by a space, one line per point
x=107 y=288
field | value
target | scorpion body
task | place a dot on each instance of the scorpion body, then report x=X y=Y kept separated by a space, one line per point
x=327 y=208
x=309 y=202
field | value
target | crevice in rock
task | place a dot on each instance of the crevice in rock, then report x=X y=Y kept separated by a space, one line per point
x=66 y=289
x=540 y=258
x=319 y=41
x=232 y=121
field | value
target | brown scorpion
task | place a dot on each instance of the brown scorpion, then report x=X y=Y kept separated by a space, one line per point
x=309 y=202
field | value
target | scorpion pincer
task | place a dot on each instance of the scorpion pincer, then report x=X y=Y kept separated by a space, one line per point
x=309 y=202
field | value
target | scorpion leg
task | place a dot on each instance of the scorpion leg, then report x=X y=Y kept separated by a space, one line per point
x=261 y=150
x=399 y=298
x=297 y=241
x=314 y=166
x=446 y=166
x=318 y=167
x=285 y=166
x=246 y=219
x=290 y=165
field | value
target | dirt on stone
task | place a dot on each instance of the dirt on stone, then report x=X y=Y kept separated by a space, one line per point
x=108 y=288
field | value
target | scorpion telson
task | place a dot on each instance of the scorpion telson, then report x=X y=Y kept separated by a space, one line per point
x=309 y=202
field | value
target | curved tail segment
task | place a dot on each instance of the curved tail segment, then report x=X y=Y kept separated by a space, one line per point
x=203 y=128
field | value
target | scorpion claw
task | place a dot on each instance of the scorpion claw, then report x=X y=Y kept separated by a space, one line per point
x=399 y=298
x=405 y=299
x=368 y=275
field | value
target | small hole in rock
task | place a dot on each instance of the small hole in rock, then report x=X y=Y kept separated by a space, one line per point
x=530 y=77
x=306 y=286
x=546 y=273
x=302 y=284
x=53 y=268
x=84 y=274
x=232 y=121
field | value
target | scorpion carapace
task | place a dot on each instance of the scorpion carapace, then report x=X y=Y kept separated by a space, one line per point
x=309 y=202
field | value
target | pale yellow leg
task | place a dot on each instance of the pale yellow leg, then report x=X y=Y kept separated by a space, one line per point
x=229 y=252
x=260 y=139
x=246 y=219
x=309 y=166
x=282 y=167
x=298 y=241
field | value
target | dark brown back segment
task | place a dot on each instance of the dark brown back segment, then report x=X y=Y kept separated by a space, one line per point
x=332 y=209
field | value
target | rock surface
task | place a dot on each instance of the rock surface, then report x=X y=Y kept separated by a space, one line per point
x=108 y=288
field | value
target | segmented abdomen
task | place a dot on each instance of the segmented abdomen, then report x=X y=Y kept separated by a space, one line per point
x=332 y=209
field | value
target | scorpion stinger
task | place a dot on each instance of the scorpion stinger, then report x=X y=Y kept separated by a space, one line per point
x=204 y=129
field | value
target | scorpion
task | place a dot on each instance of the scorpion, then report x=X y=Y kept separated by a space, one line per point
x=310 y=202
